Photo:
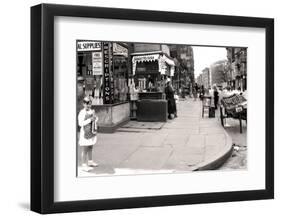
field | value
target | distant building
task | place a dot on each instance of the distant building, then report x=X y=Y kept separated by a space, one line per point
x=199 y=80
x=206 y=77
x=217 y=73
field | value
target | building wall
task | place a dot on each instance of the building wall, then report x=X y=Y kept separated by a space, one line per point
x=185 y=59
x=112 y=116
x=139 y=47
x=142 y=47
x=199 y=80
x=237 y=67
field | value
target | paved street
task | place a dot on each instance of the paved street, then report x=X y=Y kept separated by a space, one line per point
x=186 y=143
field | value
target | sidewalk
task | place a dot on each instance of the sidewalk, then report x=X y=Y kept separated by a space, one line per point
x=186 y=143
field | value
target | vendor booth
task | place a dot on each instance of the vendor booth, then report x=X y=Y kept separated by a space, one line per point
x=150 y=72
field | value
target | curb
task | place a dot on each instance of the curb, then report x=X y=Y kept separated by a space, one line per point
x=219 y=159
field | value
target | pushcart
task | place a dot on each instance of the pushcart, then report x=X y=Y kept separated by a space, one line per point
x=234 y=106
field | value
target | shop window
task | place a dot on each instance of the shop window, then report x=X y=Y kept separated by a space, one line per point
x=84 y=63
x=148 y=78
x=120 y=77
x=88 y=84
x=91 y=80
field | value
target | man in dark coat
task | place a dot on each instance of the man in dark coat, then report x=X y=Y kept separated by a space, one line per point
x=216 y=97
x=169 y=91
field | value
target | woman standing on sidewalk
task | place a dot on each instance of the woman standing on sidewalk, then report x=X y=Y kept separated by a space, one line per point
x=169 y=91
x=87 y=120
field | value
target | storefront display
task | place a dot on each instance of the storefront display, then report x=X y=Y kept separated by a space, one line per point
x=102 y=68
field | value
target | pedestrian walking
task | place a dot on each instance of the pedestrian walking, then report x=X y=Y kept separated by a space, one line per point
x=195 y=91
x=202 y=92
x=87 y=120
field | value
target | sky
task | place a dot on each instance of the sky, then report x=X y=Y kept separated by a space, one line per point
x=205 y=56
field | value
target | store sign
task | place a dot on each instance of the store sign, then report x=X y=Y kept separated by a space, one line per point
x=97 y=63
x=88 y=46
x=238 y=109
x=107 y=76
x=119 y=50
x=145 y=58
x=162 y=66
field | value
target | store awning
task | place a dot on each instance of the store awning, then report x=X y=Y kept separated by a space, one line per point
x=145 y=58
x=162 y=61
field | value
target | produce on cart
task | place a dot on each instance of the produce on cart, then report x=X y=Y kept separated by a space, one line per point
x=234 y=106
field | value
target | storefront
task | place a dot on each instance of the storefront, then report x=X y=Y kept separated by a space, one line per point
x=150 y=72
x=102 y=74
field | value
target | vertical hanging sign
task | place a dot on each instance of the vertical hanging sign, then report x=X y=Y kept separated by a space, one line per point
x=106 y=70
x=111 y=64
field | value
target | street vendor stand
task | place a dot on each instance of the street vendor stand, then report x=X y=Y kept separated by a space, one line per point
x=150 y=71
x=152 y=106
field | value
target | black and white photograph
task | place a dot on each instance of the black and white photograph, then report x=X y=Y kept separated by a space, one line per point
x=146 y=108
x=156 y=108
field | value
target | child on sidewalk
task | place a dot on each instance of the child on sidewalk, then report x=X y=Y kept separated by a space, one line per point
x=87 y=120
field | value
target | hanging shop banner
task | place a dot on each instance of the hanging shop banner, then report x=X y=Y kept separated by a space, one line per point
x=162 y=66
x=134 y=68
x=111 y=72
x=97 y=63
x=168 y=61
x=106 y=77
x=119 y=50
x=88 y=46
x=172 y=70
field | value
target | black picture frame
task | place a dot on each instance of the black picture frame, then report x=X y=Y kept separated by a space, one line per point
x=42 y=107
